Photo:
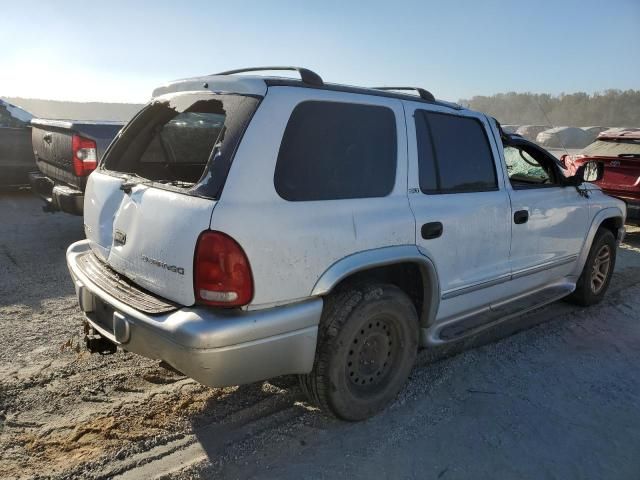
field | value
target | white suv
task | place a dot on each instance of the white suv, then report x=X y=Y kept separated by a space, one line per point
x=244 y=227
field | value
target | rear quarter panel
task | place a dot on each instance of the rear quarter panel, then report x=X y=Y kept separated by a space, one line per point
x=290 y=244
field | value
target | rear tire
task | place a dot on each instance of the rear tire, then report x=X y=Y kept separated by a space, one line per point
x=367 y=345
x=596 y=275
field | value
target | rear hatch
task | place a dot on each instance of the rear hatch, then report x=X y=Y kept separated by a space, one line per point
x=621 y=158
x=155 y=190
x=52 y=142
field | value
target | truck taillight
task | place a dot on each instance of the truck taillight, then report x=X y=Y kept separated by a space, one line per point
x=85 y=155
x=222 y=275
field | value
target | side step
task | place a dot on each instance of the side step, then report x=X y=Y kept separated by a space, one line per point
x=488 y=317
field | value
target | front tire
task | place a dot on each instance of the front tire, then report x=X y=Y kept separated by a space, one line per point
x=596 y=275
x=367 y=345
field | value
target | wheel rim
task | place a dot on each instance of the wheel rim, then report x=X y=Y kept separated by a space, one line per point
x=372 y=354
x=600 y=269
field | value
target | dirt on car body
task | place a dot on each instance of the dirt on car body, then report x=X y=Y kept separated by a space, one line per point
x=525 y=404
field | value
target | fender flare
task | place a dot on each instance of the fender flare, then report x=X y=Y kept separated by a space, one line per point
x=601 y=216
x=381 y=257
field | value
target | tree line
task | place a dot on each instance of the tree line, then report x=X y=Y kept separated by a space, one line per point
x=611 y=108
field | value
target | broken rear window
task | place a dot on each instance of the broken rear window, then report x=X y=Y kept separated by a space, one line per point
x=185 y=141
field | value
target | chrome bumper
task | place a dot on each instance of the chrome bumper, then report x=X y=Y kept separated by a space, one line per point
x=215 y=347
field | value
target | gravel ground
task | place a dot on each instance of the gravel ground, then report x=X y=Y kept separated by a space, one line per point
x=559 y=399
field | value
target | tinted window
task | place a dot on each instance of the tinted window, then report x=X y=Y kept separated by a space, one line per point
x=335 y=151
x=454 y=154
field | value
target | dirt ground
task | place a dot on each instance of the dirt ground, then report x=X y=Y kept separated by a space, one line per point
x=559 y=399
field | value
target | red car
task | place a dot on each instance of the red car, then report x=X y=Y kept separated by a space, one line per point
x=620 y=152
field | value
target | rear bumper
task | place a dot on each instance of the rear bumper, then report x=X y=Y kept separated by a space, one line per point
x=56 y=197
x=215 y=347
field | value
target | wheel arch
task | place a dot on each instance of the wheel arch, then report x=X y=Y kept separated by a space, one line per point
x=611 y=218
x=388 y=263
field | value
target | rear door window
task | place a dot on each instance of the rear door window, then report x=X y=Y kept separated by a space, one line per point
x=334 y=150
x=454 y=154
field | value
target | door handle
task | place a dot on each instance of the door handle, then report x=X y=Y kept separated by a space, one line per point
x=431 y=230
x=520 y=217
x=47 y=137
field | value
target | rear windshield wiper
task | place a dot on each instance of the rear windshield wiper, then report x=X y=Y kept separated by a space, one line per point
x=176 y=183
x=131 y=181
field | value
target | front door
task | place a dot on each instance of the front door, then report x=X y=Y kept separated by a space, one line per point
x=550 y=221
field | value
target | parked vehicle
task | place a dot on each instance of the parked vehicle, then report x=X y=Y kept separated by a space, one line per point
x=245 y=227
x=564 y=137
x=619 y=150
x=66 y=152
x=16 y=158
x=530 y=132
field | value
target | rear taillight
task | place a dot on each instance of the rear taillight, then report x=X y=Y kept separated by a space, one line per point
x=85 y=155
x=222 y=275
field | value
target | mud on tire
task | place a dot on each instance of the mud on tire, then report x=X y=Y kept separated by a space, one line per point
x=367 y=345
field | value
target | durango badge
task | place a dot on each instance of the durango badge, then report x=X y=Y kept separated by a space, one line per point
x=161 y=264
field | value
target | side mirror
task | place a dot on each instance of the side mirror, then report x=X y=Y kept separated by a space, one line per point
x=590 y=171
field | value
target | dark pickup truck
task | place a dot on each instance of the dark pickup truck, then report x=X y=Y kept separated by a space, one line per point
x=66 y=152
x=16 y=157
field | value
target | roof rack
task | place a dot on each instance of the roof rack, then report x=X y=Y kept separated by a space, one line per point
x=424 y=94
x=306 y=75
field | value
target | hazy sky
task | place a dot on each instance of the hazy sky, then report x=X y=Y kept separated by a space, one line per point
x=120 y=50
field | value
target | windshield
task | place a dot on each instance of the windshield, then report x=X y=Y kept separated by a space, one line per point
x=183 y=141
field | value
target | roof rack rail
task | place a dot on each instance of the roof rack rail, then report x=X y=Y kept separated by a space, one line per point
x=424 y=94
x=306 y=75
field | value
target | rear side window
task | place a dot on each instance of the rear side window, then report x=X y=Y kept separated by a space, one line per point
x=454 y=154
x=336 y=150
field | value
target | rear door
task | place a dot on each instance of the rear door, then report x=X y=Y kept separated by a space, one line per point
x=462 y=212
x=151 y=198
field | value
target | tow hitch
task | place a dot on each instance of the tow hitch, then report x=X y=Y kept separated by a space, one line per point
x=96 y=343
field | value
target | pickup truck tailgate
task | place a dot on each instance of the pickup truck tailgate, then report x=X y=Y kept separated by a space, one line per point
x=52 y=142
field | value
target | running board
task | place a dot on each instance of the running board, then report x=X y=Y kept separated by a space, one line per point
x=490 y=316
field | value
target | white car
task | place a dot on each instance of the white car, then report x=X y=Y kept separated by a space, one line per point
x=244 y=227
